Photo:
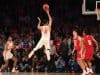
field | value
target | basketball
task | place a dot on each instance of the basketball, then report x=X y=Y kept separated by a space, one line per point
x=45 y=7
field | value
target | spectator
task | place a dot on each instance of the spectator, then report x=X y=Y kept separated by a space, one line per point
x=53 y=54
x=57 y=44
x=60 y=65
x=72 y=65
x=34 y=63
x=64 y=49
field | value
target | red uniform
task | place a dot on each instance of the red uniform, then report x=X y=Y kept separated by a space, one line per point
x=88 y=44
x=77 y=47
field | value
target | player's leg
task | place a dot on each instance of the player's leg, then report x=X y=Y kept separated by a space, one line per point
x=86 y=66
x=5 y=65
x=88 y=58
x=47 y=52
x=90 y=67
x=38 y=46
x=47 y=49
x=82 y=66
x=85 y=62
x=89 y=61
x=80 y=61
x=7 y=55
x=15 y=63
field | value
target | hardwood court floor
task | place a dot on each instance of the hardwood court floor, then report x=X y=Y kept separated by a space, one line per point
x=38 y=73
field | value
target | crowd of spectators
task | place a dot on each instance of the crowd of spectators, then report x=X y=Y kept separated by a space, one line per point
x=25 y=40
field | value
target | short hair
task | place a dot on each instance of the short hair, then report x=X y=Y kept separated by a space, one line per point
x=11 y=37
x=44 y=21
x=78 y=31
x=86 y=31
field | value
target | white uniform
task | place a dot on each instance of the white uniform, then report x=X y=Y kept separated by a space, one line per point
x=45 y=40
x=7 y=53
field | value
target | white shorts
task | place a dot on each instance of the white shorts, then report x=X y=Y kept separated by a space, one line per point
x=7 y=55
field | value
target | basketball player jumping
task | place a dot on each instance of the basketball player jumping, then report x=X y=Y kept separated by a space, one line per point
x=45 y=34
x=89 y=42
x=8 y=55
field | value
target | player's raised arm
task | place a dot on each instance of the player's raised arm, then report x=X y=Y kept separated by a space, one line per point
x=46 y=9
x=50 y=19
x=39 y=27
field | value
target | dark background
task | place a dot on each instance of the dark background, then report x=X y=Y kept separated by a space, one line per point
x=62 y=11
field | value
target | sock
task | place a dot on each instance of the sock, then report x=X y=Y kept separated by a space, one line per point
x=14 y=69
x=87 y=69
x=91 y=70
x=84 y=71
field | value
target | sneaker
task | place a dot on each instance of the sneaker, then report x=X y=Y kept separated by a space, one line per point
x=84 y=73
x=87 y=72
x=30 y=54
x=14 y=70
x=91 y=72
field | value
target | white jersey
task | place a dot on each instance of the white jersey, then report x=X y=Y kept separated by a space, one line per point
x=45 y=31
x=44 y=41
x=7 y=52
x=10 y=45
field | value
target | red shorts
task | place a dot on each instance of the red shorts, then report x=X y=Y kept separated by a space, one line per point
x=79 y=55
x=89 y=54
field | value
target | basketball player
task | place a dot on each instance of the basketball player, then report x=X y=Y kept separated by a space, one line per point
x=45 y=35
x=78 y=46
x=8 y=55
x=89 y=42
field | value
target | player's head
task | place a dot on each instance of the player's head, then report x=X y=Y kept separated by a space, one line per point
x=44 y=22
x=10 y=38
x=86 y=32
x=75 y=32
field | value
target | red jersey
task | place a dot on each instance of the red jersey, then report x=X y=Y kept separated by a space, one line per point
x=88 y=42
x=77 y=43
x=88 y=45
